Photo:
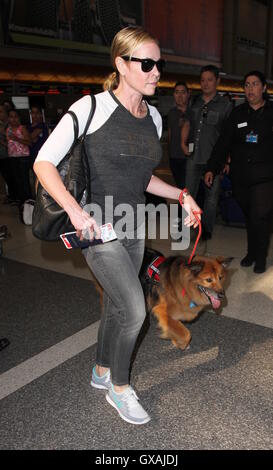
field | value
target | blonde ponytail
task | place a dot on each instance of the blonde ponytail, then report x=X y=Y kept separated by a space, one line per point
x=111 y=82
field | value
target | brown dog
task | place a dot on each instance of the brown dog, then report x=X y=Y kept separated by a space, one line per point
x=177 y=291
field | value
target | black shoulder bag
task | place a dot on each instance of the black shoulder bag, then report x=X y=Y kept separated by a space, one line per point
x=49 y=220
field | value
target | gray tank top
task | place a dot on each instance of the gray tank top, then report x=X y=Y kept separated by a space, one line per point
x=122 y=155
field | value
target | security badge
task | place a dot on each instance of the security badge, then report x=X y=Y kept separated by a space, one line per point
x=251 y=138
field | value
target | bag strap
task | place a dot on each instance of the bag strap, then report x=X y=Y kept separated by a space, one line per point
x=75 y=125
x=89 y=119
x=91 y=114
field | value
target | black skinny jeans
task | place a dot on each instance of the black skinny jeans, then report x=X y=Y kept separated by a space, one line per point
x=116 y=266
x=257 y=204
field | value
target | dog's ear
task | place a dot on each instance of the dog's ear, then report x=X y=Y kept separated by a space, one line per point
x=196 y=267
x=225 y=262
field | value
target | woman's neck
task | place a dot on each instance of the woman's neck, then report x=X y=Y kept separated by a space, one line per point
x=257 y=105
x=132 y=101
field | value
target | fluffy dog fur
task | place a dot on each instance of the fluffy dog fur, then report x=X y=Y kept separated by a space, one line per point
x=183 y=291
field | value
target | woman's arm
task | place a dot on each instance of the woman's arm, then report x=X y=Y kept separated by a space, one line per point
x=159 y=188
x=51 y=153
x=26 y=137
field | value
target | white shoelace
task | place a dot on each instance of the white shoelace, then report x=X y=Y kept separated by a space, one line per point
x=131 y=398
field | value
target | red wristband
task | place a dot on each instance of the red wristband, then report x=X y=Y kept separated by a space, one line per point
x=182 y=196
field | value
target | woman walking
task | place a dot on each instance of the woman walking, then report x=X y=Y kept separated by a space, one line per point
x=123 y=149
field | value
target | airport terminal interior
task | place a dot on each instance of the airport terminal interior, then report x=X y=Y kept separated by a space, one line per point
x=216 y=394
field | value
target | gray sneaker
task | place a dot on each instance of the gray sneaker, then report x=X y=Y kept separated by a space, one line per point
x=128 y=406
x=103 y=382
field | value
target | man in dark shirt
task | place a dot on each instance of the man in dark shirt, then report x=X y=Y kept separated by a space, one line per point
x=208 y=113
x=177 y=117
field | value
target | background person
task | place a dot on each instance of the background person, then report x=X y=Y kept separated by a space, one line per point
x=123 y=149
x=248 y=137
x=8 y=105
x=18 y=140
x=4 y=168
x=208 y=114
x=38 y=132
x=177 y=117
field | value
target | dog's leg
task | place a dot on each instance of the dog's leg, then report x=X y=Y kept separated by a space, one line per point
x=171 y=329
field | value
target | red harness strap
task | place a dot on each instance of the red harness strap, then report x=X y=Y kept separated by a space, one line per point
x=153 y=271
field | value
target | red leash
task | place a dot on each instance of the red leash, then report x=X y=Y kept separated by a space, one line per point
x=199 y=226
x=198 y=237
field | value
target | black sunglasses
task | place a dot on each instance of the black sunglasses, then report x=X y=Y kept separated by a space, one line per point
x=147 y=64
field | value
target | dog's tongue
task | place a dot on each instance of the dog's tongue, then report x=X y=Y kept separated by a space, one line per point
x=215 y=302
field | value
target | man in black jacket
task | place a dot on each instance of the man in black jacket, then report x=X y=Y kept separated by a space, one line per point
x=208 y=114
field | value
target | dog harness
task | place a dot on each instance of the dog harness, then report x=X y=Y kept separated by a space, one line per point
x=153 y=273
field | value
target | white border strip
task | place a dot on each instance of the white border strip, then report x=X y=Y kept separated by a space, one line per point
x=38 y=365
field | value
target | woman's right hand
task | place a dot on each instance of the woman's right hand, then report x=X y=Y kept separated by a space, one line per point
x=193 y=210
x=85 y=225
x=208 y=178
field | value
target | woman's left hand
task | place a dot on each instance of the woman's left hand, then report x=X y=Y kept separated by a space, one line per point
x=193 y=210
